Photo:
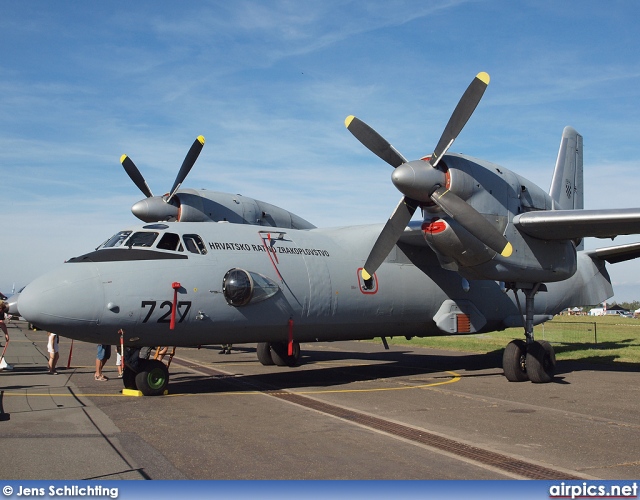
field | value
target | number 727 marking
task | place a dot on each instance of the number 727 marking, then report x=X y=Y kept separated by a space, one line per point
x=167 y=304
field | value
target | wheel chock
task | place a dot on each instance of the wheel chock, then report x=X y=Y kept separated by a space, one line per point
x=131 y=392
x=135 y=392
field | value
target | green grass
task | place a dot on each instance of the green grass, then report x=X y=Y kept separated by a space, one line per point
x=612 y=340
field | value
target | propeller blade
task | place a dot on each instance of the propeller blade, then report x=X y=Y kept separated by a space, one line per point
x=187 y=164
x=465 y=108
x=373 y=141
x=389 y=236
x=135 y=175
x=472 y=221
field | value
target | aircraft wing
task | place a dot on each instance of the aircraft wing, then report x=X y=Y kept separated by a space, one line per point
x=412 y=235
x=573 y=224
x=618 y=253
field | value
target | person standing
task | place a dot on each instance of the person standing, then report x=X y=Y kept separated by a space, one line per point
x=4 y=309
x=119 y=362
x=52 y=347
x=104 y=353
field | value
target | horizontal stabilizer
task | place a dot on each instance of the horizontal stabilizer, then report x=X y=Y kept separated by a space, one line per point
x=574 y=224
x=620 y=253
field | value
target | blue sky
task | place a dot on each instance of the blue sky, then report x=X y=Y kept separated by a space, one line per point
x=269 y=83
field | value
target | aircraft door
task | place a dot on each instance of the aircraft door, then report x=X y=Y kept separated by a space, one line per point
x=309 y=294
x=320 y=303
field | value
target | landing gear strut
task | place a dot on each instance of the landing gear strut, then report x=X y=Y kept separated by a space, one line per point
x=531 y=359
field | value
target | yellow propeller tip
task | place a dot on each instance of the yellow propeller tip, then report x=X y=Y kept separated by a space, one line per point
x=507 y=250
x=348 y=120
x=122 y=158
x=484 y=77
x=201 y=139
x=365 y=275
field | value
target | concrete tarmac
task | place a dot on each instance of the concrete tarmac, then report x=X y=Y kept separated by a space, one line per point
x=351 y=411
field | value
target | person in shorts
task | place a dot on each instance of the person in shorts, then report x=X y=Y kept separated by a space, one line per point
x=104 y=353
x=52 y=347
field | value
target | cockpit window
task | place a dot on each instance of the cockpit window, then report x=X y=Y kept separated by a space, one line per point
x=116 y=240
x=141 y=239
x=170 y=241
x=194 y=244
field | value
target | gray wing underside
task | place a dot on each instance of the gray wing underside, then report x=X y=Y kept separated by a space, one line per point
x=574 y=224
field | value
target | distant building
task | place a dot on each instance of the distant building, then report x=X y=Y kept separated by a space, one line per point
x=614 y=310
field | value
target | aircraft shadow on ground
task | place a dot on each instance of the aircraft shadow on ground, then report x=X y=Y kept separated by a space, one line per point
x=317 y=372
x=597 y=362
x=384 y=364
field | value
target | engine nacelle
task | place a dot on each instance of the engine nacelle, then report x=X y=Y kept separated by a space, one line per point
x=455 y=246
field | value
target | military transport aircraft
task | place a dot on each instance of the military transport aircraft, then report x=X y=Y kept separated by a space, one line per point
x=493 y=251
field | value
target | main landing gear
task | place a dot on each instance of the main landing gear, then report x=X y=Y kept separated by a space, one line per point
x=531 y=359
x=277 y=353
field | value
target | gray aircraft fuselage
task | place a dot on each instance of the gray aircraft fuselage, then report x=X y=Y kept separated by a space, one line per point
x=320 y=294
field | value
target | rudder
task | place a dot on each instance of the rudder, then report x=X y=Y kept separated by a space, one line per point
x=567 y=184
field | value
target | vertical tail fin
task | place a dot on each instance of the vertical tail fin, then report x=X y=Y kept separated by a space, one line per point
x=567 y=184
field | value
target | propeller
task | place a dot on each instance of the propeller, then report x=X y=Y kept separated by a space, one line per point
x=156 y=208
x=421 y=182
x=135 y=175
x=187 y=164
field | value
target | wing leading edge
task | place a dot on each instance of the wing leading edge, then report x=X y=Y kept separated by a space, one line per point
x=574 y=224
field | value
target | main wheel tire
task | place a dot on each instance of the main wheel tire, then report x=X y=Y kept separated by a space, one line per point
x=153 y=379
x=129 y=378
x=514 y=361
x=280 y=353
x=541 y=362
x=263 y=351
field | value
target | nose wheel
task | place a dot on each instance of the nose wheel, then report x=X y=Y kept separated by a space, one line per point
x=149 y=376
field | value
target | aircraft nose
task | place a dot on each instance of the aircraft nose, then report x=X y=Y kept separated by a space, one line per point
x=68 y=297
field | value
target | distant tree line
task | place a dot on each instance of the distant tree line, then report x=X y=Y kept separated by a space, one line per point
x=630 y=306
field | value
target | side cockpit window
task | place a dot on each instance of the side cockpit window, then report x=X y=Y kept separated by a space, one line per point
x=170 y=241
x=194 y=244
x=116 y=240
x=141 y=239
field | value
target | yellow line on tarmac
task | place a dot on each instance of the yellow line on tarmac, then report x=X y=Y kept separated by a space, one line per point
x=456 y=377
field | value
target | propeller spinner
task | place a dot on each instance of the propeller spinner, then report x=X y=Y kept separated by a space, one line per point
x=160 y=208
x=421 y=182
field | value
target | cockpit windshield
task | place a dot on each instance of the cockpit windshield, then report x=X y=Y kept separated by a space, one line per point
x=116 y=240
x=167 y=241
x=141 y=239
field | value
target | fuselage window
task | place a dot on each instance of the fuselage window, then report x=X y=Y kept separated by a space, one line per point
x=170 y=241
x=141 y=239
x=116 y=240
x=194 y=244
